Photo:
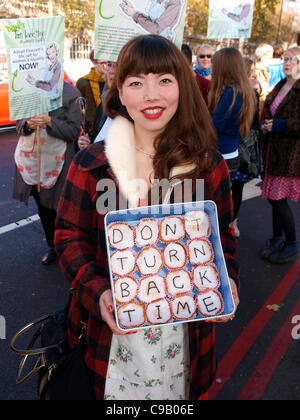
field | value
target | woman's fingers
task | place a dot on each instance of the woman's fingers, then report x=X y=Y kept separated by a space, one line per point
x=106 y=309
x=236 y=299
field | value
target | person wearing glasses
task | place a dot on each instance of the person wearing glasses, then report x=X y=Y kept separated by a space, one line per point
x=91 y=87
x=203 y=83
x=203 y=65
x=101 y=122
x=281 y=143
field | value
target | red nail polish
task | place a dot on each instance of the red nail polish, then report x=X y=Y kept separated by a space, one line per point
x=110 y=308
x=131 y=332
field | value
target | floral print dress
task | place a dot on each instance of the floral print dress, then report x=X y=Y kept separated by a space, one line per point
x=152 y=364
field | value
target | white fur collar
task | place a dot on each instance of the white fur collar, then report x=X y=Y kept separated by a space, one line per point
x=121 y=153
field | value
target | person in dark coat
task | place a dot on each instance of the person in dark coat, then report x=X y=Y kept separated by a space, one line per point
x=59 y=132
x=100 y=118
x=91 y=87
x=281 y=145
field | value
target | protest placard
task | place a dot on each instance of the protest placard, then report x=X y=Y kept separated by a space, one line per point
x=34 y=50
x=116 y=22
x=230 y=19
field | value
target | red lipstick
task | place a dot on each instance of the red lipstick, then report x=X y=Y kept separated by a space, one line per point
x=153 y=113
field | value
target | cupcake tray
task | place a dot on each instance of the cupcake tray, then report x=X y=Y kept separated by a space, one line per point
x=171 y=275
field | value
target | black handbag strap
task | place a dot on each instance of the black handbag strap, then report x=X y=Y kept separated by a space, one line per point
x=42 y=351
x=29 y=351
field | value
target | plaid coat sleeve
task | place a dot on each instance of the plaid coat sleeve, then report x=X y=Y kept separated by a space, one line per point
x=82 y=260
x=219 y=190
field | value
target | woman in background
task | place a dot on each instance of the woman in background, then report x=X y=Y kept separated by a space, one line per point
x=281 y=145
x=59 y=131
x=203 y=65
x=232 y=103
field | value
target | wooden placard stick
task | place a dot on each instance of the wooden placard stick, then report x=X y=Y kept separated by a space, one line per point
x=38 y=153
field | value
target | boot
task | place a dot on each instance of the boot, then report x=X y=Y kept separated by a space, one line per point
x=287 y=253
x=272 y=245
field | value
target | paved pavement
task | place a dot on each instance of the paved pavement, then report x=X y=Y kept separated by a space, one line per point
x=258 y=357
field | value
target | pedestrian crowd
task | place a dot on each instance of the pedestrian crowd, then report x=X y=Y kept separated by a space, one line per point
x=158 y=114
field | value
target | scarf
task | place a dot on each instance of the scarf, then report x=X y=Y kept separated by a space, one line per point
x=201 y=71
x=94 y=79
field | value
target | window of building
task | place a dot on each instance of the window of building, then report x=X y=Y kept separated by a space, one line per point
x=81 y=48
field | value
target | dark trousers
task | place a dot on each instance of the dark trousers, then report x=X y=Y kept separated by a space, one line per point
x=47 y=217
x=283 y=220
x=237 y=196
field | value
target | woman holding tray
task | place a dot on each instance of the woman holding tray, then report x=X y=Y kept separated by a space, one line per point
x=161 y=130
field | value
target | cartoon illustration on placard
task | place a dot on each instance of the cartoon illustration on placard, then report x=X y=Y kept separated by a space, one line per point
x=230 y=19
x=53 y=73
x=159 y=16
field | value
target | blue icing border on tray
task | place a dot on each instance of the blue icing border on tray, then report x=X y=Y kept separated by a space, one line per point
x=133 y=216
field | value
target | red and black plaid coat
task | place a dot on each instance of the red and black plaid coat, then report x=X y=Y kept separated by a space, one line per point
x=81 y=246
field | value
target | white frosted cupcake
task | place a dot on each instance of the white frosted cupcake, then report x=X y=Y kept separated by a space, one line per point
x=210 y=303
x=146 y=232
x=172 y=229
x=125 y=289
x=175 y=256
x=120 y=235
x=131 y=315
x=159 y=312
x=197 y=224
x=122 y=262
x=200 y=251
x=178 y=281
x=183 y=307
x=151 y=288
x=206 y=277
x=149 y=261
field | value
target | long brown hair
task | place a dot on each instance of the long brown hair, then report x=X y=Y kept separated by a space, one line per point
x=229 y=70
x=189 y=138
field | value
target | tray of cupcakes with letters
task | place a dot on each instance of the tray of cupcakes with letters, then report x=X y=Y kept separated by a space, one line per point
x=167 y=265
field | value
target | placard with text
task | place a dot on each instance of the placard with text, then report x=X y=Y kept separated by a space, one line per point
x=35 y=50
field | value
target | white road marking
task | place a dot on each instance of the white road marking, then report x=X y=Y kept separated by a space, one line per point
x=19 y=224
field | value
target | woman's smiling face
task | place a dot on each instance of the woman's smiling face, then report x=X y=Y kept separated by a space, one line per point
x=52 y=54
x=205 y=56
x=151 y=100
